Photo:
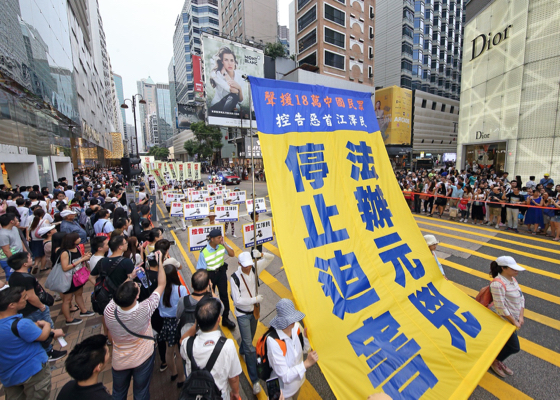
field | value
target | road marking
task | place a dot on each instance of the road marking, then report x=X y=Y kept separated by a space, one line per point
x=273 y=249
x=530 y=237
x=500 y=389
x=183 y=252
x=542 y=319
x=514 y=242
x=161 y=211
x=539 y=351
x=492 y=258
x=524 y=289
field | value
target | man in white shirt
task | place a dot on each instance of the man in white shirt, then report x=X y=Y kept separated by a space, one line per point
x=103 y=225
x=244 y=296
x=68 y=192
x=227 y=368
x=289 y=367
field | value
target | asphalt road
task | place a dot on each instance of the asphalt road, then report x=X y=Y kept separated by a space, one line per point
x=465 y=252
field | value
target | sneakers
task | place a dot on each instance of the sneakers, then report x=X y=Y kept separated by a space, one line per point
x=497 y=226
x=55 y=355
x=232 y=235
x=256 y=388
x=75 y=321
x=87 y=314
x=461 y=220
x=516 y=230
x=505 y=369
x=228 y=324
x=496 y=367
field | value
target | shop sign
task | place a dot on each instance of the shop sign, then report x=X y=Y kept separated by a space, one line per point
x=481 y=135
x=10 y=149
x=486 y=41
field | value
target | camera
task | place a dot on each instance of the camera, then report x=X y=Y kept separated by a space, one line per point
x=152 y=261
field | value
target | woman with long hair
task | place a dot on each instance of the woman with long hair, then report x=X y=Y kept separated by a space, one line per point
x=465 y=204
x=509 y=303
x=168 y=311
x=227 y=81
x=534 y=216
x=478 y=206
x=441 y=199
x=429 y=202
x=71 y=258
x=133 y=251
x=36 y=241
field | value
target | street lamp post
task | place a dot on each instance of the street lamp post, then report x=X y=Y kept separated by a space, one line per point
x=133 y=101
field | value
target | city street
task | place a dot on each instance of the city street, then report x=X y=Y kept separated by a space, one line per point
x=465 y=252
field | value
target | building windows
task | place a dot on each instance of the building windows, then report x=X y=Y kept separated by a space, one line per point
x=419 y=23
x=307 y=41
x=371 y=12
x=434 y=105
x=306 y=19
x=240 y=22
x=341 y=1
x=310 y=59
x=407 y=31
x=406 y=82
x=407 y=48
x=407 y=14
x=417 y=55
x=406 y=65
x=371 y=33
x=302 y=3
x=419 y=6
x=370 y=52
x=235 y=29
x=334 y=60
x=452 y=110
x=335 y=15
x=419 y=39
x=370 y=71
x=424 y=101
x=335 y=38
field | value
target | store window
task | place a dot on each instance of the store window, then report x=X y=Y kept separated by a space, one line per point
x=487 y=155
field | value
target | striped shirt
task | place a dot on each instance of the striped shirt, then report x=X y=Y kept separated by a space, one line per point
x=508 y=301
x=130 y=351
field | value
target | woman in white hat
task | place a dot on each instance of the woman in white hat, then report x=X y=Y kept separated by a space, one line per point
x=432 y=243
x=509 y=303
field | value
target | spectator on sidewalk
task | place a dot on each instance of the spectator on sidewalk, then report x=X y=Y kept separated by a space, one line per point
x=495 y=206
x=544 y=181
x=514 y=198
x=10 y=241
x=69 y=225
x=84 y=364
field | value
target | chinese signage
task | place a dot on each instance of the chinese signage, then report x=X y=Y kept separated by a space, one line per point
x=227 y=213
x=260 y=205
x=196 y=210
x=355 y=259
x=198 y=235
x=255 y=150
x=264 y=233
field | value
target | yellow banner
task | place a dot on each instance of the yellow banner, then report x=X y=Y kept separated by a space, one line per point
x=380 y=314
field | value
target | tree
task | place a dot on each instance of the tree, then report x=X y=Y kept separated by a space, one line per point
x=160 y=153
x=274 y=50
x=207 y=141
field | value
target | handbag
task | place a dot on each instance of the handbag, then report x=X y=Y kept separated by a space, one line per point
x=44 y=296
x=80 y=276
x=36 y=233
x=257 y=306
x=453 y=212
x=59 y=280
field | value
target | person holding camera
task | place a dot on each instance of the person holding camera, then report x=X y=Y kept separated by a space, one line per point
x=24 y=370
x=212 y=259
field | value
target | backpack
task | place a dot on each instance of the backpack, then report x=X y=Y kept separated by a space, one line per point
x=82 y=219
x=104 y=288
x=484 y=297
x=103 y=233
x=263 y=363
x=187 y=316
x=88 y=227
x=200 y=384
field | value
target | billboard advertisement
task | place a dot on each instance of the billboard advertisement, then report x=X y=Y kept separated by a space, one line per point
x=187 y=114
x=393 y=109
x=227 y=96
x=197 y=73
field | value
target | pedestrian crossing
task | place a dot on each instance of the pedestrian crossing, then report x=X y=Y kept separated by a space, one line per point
x=474 y=235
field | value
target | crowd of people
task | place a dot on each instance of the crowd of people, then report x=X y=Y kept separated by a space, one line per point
x=485 y=197
x=89 y=231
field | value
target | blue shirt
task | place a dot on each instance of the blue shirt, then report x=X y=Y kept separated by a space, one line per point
x=69 y=227
x=171 y=312
x=22 y=357
x=98 y=227
x=457 y=192
x=201 y=264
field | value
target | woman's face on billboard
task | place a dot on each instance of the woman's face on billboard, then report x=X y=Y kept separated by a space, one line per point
x=229 y=62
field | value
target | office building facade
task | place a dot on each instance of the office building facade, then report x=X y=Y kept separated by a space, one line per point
x=249 y=20
x=418 y=45
x=55 y=94
x=155 y=115
x=335 y=36
x=510 y=91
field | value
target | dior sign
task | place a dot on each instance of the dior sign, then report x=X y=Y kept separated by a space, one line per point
x=481 y=135
x=484 y=42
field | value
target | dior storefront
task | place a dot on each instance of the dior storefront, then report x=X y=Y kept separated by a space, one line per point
x=509 y=118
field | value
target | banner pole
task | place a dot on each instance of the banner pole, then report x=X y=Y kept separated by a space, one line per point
x=253 y=184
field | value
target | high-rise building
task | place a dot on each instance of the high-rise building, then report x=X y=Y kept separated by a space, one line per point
x=284 y=37
x=249 y=20
x=172 y=92
x=155 y=115
x=418 y=45
x=120 y=93
x=56 y=92
x=197 y=16
x=129 y=128
x=336 y=36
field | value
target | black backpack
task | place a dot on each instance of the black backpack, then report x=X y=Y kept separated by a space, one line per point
x=200 y=384
x=187 y=316
x=104 y=288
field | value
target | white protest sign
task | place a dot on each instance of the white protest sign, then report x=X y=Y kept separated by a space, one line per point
x=237 y=197
x=264 y=233
x=215 y=200
x=198 y=235
x=196 y=210
x=176 y=209
x=260 y=207
x=227 y=213
x=171 y=197
x=211 y=187
x=198 y=195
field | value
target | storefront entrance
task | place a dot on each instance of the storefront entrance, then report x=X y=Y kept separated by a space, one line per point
x=486 y=155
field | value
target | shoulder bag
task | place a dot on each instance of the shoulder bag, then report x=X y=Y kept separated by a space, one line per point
x=58 y=279
x=133 y=333
x=257 y=306
x=80 y=276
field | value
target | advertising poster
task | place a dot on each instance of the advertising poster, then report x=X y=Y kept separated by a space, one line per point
x=176 y=209
x=264 y=233
x=197 y=73
x=198 y=235
x=238 y=197
x=185 y=115
x=227 y=97
x=260 y=205
x=196 y=210
x=356 y=261
x=393 y=110
x=227 y=213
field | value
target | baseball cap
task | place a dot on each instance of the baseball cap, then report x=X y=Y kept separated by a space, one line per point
x=431 y=240
x=172 y=261
x=547 y=174
x=66 y=213
x=214 y=233
x=245 y=259
x=507 y=261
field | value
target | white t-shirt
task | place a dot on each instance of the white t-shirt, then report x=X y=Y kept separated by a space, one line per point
x=222 y=87
x=141 y=196
x=42 y=204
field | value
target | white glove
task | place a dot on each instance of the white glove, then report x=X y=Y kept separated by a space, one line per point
x=258 y=299
x=257 y=254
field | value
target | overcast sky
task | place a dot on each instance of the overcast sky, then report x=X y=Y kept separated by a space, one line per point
x=139 y=36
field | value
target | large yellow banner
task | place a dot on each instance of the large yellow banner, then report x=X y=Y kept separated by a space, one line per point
x=379 y=312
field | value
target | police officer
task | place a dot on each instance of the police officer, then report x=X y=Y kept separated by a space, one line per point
x=212 y=259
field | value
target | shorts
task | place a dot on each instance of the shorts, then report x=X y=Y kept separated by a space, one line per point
x=37 y=249
x=495 y=211
x=556 y=218
x=546 y=219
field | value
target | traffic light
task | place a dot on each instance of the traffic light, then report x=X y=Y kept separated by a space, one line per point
x=128 y=166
